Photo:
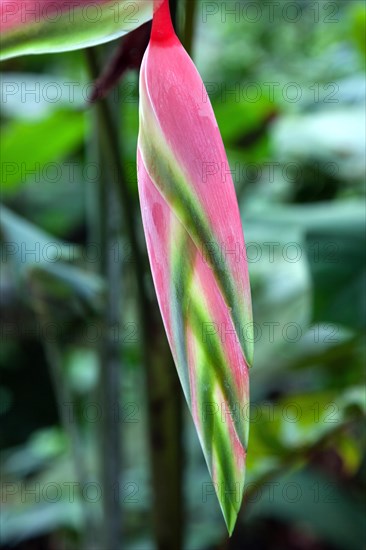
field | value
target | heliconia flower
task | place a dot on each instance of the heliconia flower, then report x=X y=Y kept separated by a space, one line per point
x=45 y=26
x=197 y=254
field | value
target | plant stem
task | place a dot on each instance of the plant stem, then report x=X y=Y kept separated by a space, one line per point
x=111 y=367
x=164 y=397
x=64 y=399
x=190 y=13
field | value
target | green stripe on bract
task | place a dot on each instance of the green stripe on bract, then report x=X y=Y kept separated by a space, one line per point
x=220 y=373
x=230 y=489
x=181 y=273
x=218 y=450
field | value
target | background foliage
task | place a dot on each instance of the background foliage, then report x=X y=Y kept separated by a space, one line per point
x=288 y=89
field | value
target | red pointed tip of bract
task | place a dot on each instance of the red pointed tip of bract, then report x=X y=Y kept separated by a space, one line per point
x=162 y=27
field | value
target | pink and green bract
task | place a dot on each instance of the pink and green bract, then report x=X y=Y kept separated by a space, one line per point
x=197 y=254
x=45 y=26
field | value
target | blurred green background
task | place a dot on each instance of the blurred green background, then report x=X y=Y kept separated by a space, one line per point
x=287 y=84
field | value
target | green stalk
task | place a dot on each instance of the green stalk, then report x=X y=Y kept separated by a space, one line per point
x=111 y=366
x=110 y=359
x=189 y=22
x=164 y=397
x=53 y=354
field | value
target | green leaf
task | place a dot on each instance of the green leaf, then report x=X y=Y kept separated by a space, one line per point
x=312 y=502
x=40 y=257
x=27 y=147
x=337 y=263
x=19 y=237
